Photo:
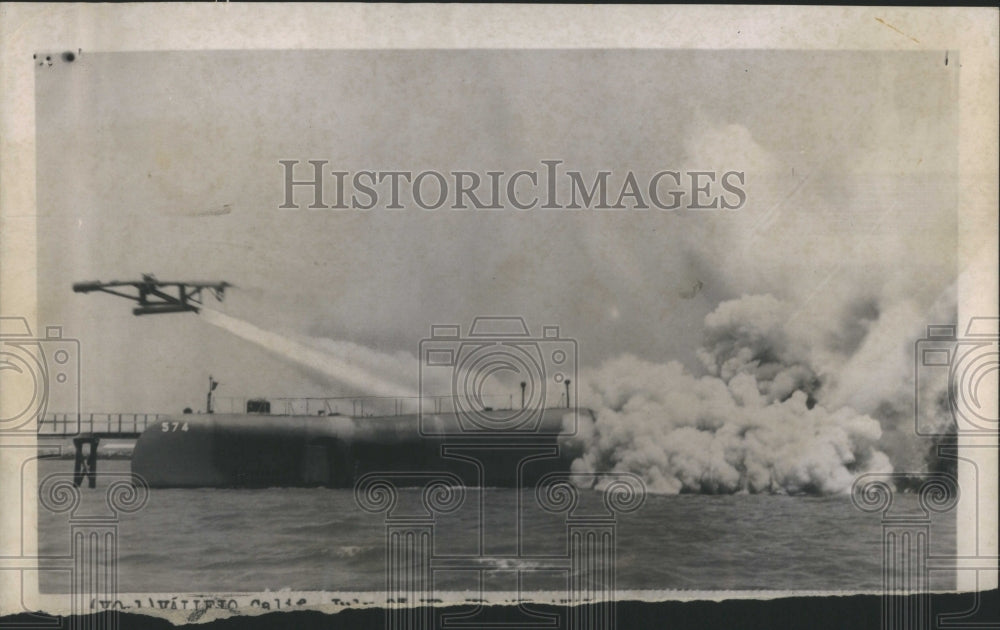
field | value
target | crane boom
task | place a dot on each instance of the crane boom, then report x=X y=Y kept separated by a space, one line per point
x=154 y=297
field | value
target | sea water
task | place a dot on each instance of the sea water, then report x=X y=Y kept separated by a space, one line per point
x=317 y=539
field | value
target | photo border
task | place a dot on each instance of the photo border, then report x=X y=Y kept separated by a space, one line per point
x=26 y=30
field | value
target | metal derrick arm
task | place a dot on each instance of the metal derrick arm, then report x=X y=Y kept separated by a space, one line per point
x=154 y=296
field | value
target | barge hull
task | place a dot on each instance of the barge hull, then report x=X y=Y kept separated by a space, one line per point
x=256 y=451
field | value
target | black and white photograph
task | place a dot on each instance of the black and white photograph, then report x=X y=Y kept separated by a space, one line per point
x=433 y=328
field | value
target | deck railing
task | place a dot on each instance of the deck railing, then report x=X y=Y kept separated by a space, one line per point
x=65 y=424
x=75 y=423
x=369 y=406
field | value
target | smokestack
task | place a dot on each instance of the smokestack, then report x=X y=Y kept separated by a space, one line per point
x=523 y=385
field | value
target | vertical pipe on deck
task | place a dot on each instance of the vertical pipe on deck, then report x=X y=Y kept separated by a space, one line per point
x=78 y=462
x=92 y=463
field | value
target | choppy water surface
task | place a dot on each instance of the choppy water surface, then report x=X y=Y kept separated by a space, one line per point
x=318 y=539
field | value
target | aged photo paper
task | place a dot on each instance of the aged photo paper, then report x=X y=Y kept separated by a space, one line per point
x=430 y=309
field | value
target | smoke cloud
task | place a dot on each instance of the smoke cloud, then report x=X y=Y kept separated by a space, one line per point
x=785 y=405
x=807 y=358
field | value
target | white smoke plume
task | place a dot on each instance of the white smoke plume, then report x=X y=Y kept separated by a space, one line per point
x=343 y=363
x=785 y=406
x=808 y=377
x=688 y=434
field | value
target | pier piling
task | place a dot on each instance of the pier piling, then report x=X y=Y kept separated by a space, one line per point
x=85 y=467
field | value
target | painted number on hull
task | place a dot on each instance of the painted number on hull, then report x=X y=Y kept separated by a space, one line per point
x=170 y=427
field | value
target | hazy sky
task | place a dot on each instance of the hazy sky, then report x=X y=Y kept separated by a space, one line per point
x=850 y=162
